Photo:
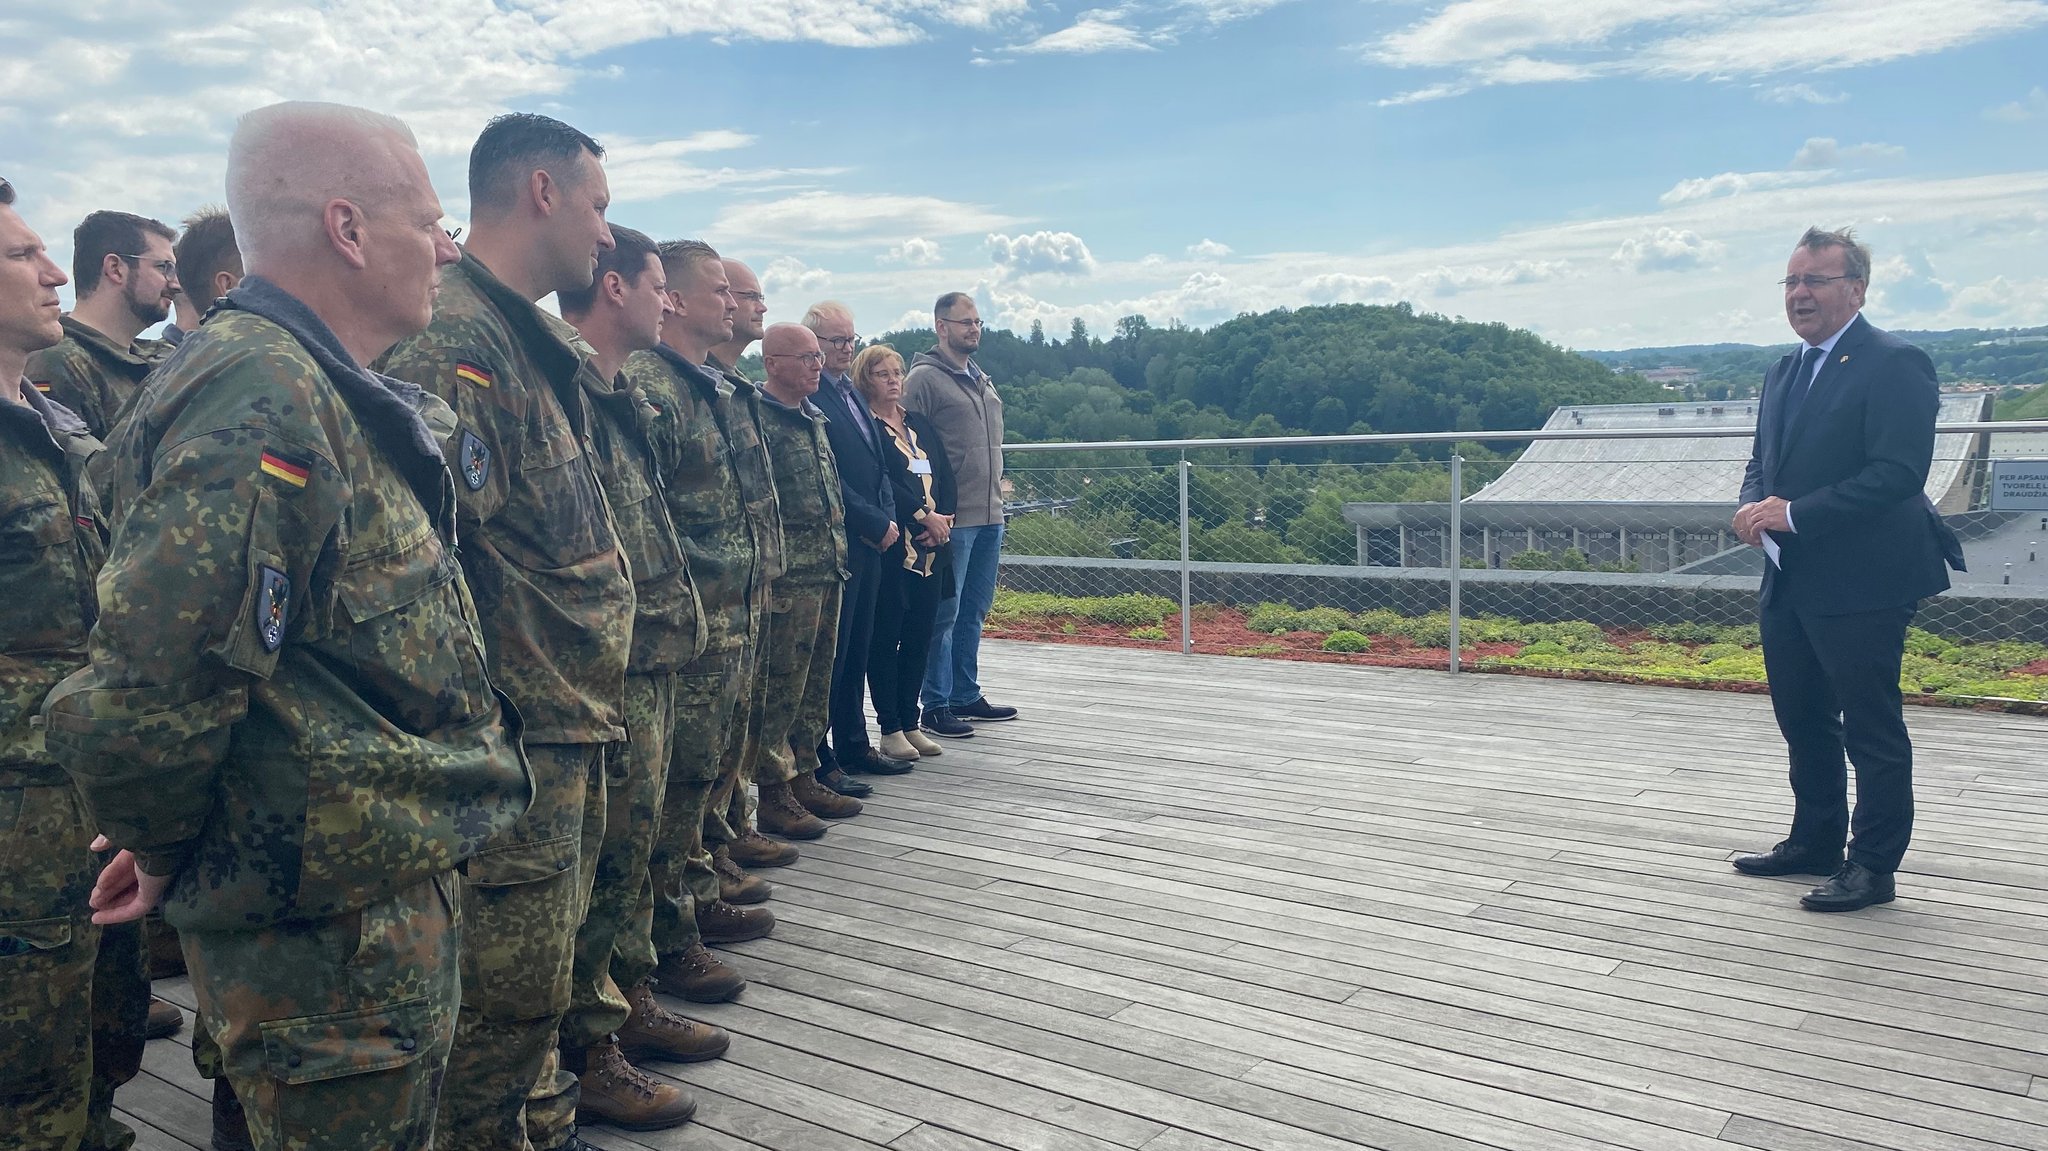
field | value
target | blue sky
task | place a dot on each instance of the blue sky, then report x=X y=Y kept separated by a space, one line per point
x=1607 y=172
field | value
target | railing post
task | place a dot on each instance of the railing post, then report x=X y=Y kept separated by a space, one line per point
x=1457 y=549
x=1187 y=630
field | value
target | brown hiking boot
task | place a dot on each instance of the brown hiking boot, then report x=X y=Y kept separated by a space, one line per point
x=754 y=850
x=654 y=1032
x=696 y=975
x=165 y=1020
x=781 y=814
x=721 y=922
x=734 y=884
x=820 y=800
x=616 y=1092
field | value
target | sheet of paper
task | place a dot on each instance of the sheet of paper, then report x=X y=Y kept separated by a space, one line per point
x=1771 y=550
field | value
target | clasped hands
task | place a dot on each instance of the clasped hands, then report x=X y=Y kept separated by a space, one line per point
x=1752 y=520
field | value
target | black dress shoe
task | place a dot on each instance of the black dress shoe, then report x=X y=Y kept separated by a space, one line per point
x=872 y=762
x=1852 y=888
x=1788 y=859
x=838 y=781
x=982 y=709
x=942 y=721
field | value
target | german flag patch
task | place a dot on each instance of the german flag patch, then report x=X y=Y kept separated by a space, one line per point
x=42 y=386
x=476 y=374
x=293 y=470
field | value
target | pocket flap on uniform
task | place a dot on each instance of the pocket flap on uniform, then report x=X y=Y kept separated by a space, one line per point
x=321 y=1047
x=371 y=589
x=33 y=935
x=522 y=862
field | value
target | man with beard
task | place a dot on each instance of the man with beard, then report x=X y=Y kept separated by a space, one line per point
x=126 y=278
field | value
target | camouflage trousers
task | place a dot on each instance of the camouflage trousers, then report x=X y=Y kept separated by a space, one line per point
x=729 y=814
x=73 y=999
x=335 y=1031
x=708 y=694
x=615 y=941
x=797 y=689
x=522 y=900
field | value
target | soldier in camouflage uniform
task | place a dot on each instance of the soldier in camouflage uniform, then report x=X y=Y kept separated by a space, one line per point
x=621 y=313
x=286 y=724
x=712 y=518
x=556 y=596
x=806 y=598
x=126 y=278
x=65 y=1041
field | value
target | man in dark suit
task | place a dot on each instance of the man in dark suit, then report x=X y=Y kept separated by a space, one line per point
x=871 y=529
x=1833 y=493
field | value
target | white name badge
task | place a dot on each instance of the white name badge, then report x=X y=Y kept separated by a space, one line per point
x=920 y=467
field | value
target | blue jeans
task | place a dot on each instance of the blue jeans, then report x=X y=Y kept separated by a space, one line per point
x=952 y=673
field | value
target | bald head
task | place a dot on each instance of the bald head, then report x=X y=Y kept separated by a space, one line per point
x=288 y=161
x=790 y=353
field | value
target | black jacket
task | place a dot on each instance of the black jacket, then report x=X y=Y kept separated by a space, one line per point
x=863 y=468
x=1853 y=465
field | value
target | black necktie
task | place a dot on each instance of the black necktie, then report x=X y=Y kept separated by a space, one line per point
x=1801 y=384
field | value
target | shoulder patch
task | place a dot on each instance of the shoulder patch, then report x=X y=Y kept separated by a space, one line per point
x=287 y=468
x=273 y=602
x=42 y=386
x=470 y=372
x=474 y=461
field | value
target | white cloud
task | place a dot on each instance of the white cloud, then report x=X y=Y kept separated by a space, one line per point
x=917 y=252
x=1445 y=281
x=1491 y=42
x=1100 y=30
x=1820 y=152
x=1208 y=250
x=789 y=274
x=1734 y=184
x=1348 y=288
x=2000 y=302
x=1906 y=285
x=1800 y=94
x=1029 y=252
x=845 y=219
x=641 y=170
x=2034 y=107
x=1666 y=250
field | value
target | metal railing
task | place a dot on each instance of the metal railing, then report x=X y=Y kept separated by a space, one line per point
x=1584 y=556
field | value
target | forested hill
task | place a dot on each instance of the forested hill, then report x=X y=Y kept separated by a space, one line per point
x=1321 y=370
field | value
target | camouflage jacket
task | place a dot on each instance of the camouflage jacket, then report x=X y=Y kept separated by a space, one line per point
x=740 y=413
x=52 y=540
x=701 y=481
x=91 y=375
x=539 y=547
x=668 y=619
x=287 y=706
x=807 y=490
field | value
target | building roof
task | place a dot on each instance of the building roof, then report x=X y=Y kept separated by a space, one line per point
x=1681 y=469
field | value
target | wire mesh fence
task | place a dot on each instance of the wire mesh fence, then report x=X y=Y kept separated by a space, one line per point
x=1611 y=560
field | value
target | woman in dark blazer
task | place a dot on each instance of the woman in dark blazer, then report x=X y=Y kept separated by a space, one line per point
x=909 y=595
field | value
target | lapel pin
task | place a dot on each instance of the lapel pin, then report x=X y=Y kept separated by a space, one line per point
x=1844 y=359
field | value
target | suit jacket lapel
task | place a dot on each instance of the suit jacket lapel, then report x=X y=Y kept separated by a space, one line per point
x=1833 y=370
x=1770 y=416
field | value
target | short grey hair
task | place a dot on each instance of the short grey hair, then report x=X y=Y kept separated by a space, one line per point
x=817 y=315
x=287 y=160
x=1855 y=257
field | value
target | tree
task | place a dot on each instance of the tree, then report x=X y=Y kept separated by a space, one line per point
x=1038 y=333
x=1131 y=328
x=1077 y=336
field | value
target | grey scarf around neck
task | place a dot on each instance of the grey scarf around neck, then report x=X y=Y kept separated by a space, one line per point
x=379 y=399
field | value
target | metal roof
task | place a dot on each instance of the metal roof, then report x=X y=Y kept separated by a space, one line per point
x=1680 y=469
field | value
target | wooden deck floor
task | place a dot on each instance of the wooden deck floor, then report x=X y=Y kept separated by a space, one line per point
x=1198 y=904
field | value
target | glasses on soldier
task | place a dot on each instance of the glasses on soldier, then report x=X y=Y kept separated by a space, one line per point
x=168 y=268
x=755 y=297
x=806 y=357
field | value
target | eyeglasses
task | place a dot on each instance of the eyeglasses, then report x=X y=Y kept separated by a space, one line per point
x=841 y=342
x=806 y=357
x=168 y=268
x=962 y=323
x=756 y=297
x=1791 y=282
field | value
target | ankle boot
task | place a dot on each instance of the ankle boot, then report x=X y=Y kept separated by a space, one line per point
x=926 y=746
x=782 y=815
x=897 y=745
x=721 y=922
x=820 y=800
x=616 y=1092
x=754 y=850
x=734 y=884
x=654 y=1032
x=696 y=975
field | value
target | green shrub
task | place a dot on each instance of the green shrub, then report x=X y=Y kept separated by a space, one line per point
x=1323 y=620
x=1127 y=610
x=1378 y=621
x=1432 y=630
x=1714 y=651
x=1745 y=634
x=1260 y=649
x=1922 y=642
x=1544 y=649
x=1532 y=560
x=1154 y=633
x=1573 y=635
x=1686 y=632
x=1272 y=618
x=1345 y=640
x=1494 y=629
